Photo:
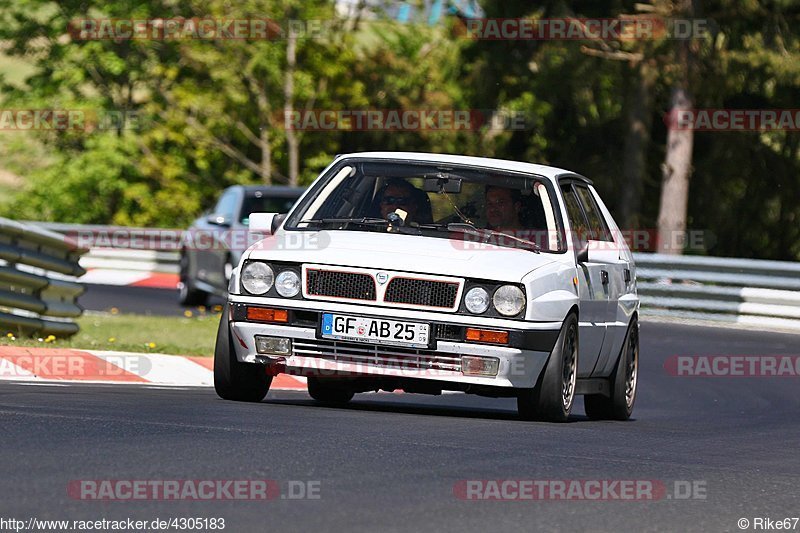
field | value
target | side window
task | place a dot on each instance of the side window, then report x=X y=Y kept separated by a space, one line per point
x=577 y=219
x=226 y=205
x=352 y=197
x=597 y=223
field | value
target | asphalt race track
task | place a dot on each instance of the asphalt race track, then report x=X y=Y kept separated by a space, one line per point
x=391 y=461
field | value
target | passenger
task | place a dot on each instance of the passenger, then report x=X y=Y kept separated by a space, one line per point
x=503 y=207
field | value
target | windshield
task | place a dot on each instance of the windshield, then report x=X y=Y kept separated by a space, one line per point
x=447 y=201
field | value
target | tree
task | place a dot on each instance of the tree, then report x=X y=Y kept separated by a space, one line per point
x=676 y=170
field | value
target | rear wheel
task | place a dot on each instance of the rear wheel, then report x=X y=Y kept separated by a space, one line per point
x=552 y=397
x=329 y=391
x=241 y=382
x=619 y=405
x=187 y=294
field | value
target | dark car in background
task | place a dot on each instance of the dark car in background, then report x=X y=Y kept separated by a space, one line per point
x=215 y=241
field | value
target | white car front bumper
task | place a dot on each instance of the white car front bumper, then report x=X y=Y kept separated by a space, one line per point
x=519 y=365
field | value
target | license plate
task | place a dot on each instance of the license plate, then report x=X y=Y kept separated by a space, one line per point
x=375 y=330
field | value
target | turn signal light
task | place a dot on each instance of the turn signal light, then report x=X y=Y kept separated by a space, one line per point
x=487 y=335
x=263 y=314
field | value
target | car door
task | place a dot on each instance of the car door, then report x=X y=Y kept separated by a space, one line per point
x=592 y=290
x=617 y=263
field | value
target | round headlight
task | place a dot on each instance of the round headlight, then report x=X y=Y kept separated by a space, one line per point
x=287 y=284
x=509 y=300
x=477 y=300
x=257 y=278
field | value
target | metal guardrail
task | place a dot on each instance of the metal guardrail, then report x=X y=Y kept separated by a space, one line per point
x=744 y=291
x=121 y=237
x=123 y=248
x=136 y=260
x=38 y=290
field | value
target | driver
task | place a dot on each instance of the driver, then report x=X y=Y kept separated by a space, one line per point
x=398 y=194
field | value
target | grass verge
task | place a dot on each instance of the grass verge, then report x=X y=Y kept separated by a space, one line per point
x=135 y=333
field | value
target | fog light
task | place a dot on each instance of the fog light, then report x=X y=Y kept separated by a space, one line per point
x=479 y=366
x=273 y=345
x=487 y=335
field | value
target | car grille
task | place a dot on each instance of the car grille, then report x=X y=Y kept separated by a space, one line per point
x=353 y=285
x=429 y=293
x=390 y=357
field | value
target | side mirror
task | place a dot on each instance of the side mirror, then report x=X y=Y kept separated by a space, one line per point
x=599 y=252
x=218 y=219
x=266 y=223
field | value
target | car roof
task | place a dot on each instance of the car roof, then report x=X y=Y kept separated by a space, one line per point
x=281 y=191
x=553 y=173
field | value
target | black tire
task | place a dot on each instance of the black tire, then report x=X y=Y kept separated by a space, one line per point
x=619 y=405
x=188 y=296
x=554 y=394
x=328 y=391
x=241 y=382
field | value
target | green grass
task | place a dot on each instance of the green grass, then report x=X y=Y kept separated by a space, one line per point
x=136 y=333
x=5 y=192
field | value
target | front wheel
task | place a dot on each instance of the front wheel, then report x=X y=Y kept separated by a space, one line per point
x=241 y=382
x=619 y=405
x=552 y=397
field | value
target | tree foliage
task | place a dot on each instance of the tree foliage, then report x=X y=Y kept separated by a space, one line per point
x=210 y=113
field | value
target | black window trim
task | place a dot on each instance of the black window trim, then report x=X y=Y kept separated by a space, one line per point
x=571 y=180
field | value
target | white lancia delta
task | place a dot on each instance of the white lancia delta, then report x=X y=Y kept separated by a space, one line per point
x=428 y=273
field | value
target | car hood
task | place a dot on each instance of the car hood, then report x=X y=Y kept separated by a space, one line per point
x=409 y=253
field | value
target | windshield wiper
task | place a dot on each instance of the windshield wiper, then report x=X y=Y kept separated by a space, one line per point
x=394 y=226
x=363 y=221
x=463 y=227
